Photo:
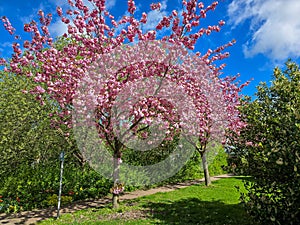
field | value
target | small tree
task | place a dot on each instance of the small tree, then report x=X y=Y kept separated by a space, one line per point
x=268 y=149
x=94 y=35
x=26 y=135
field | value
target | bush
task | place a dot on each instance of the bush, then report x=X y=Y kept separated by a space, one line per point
x=36 y=187
x=9 y=205
x=268 y=150
x=219 y=164
x=52 y=200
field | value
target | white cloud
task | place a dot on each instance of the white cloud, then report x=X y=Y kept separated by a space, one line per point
x=88 y=4
x=155 y=16
x=58 y=28
x=61 y=3
x=110 y=4
x=274 y=26
x=5 y=49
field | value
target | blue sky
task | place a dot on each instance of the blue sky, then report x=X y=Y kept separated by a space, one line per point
x=267 y=31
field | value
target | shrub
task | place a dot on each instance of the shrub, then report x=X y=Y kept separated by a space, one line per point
x=9 y=205
x=268 y=149
x=35 y=186
x=219 y=164
x=52 y=200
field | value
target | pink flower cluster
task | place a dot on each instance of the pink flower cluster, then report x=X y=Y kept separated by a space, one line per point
x=58 y=68
x=7 y=25
x=117 y=189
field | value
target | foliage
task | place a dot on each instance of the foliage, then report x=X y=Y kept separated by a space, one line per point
x=151 y=156
x=268 y=149
x=34 y=187
x=52 y=200
x=10 y=205
x=24 y=125
x=27 y=135
x=219 y=164
x=190 y=171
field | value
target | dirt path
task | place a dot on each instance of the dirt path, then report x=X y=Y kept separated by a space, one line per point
x=32 y=217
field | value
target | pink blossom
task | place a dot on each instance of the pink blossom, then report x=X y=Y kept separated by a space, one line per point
x=94 y=34
x=249 y=143
x=59 y=11
x=221 y=22
x=39 y=89
x=155 y=6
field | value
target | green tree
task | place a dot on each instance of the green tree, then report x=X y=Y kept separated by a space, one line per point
x=268 y=149
x=30 y=146
x=27 y=137
x=20 y=122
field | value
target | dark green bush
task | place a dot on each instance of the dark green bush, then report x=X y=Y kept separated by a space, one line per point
x=32 y=186
x=268 y=150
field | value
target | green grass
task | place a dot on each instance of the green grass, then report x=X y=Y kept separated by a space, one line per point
x=214 y=205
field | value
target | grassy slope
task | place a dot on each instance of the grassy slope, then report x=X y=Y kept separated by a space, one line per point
x=214 y=205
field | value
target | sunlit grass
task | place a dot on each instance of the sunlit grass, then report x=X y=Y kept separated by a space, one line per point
x=197 y=204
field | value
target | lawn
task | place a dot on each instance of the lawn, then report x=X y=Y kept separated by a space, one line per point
x=197 y=204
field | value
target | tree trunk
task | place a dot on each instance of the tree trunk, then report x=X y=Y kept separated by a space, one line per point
x=205 y=169
x=115 y=201
x=116 y=176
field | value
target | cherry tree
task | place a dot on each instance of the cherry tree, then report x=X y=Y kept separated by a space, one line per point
x=104 y=60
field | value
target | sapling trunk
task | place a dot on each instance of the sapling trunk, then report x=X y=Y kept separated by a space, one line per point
x=116 y=177
x=205 y=168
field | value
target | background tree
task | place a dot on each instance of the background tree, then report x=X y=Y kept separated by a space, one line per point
x=94 y=32
x=26 y=135
x=30 y=149
x=268 y=149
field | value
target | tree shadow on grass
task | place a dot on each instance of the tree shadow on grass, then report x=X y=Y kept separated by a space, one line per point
x=195 y=211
